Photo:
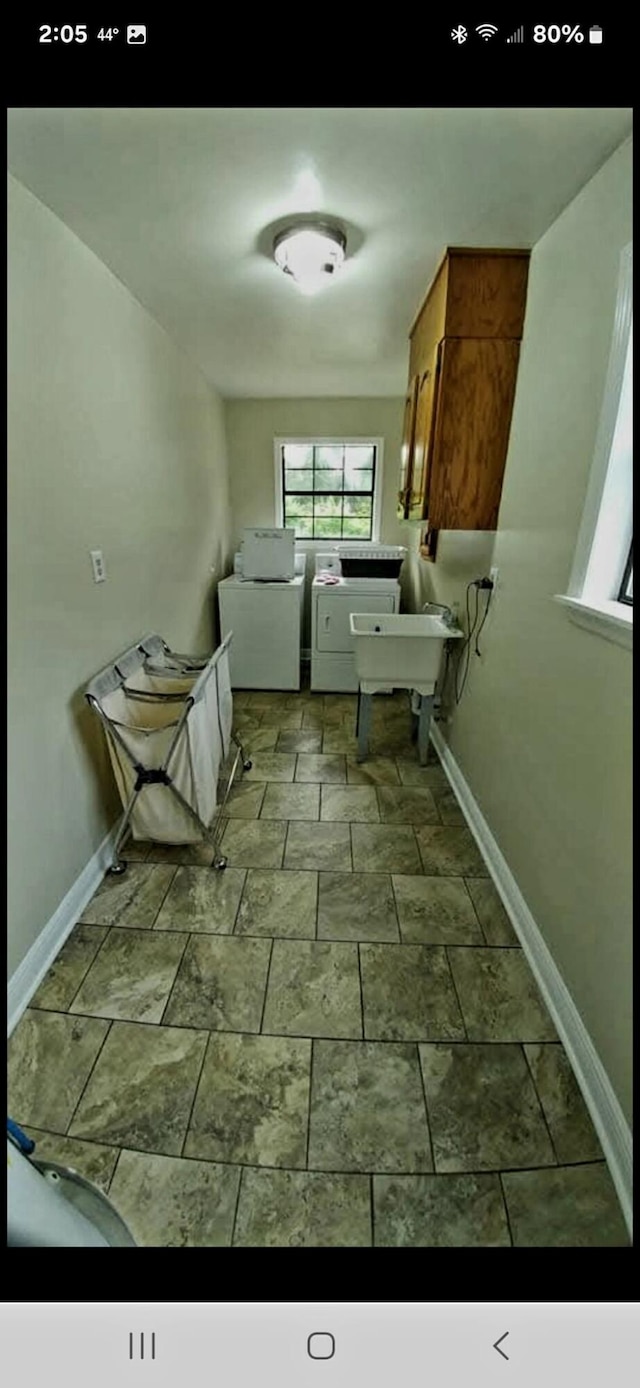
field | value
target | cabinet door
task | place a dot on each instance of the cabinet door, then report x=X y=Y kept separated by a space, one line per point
x=406 y=452
x=471 y=432
x=422 y=438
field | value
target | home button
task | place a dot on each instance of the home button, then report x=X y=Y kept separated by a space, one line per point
x=321 y=1345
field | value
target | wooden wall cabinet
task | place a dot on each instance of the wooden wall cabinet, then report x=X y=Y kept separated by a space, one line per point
x=463 y=364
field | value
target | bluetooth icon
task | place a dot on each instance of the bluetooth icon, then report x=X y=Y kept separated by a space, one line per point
x=459 y=35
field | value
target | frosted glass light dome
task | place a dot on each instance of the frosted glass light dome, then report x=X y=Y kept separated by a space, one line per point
x=310 y=254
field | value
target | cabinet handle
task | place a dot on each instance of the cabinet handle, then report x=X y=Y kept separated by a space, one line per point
x=326 y=622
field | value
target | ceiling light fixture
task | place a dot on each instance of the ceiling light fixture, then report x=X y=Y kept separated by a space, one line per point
x=311 y=253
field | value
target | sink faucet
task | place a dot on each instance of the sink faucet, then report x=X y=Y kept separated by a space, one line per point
x=447 y=615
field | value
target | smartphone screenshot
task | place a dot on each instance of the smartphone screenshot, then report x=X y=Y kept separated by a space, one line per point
x=320 y=631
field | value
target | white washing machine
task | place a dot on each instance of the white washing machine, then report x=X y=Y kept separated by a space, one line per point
x=265 y=617
x=335 y=595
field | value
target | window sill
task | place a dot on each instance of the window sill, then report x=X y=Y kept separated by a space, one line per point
x=612 y=620
x=330 y=544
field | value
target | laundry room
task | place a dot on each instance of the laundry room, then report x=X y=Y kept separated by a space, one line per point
x=319 y=851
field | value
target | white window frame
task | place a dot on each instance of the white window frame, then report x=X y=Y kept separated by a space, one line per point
x=321 y=440
x=606 y=530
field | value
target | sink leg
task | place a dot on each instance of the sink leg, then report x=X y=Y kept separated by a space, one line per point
x=424 y=723
x=364 y=725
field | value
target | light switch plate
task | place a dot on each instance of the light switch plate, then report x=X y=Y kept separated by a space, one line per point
x=98 y=566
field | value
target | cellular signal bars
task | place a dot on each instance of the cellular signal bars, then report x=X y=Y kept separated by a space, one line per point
x=517 y=35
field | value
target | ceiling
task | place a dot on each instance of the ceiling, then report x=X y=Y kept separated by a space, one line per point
x=176 y=202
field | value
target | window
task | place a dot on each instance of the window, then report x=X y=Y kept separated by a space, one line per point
x=327 y=489
x=600 y=591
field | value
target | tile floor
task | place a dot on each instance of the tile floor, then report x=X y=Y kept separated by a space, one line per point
x=337 y=1041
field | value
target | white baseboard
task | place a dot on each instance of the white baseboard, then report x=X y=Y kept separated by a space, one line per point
x=30 y=973
x=608 y=1119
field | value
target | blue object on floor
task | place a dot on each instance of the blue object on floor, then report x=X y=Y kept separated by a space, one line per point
x=26 y=1144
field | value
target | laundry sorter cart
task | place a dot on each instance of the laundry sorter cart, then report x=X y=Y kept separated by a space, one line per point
x=168 y=724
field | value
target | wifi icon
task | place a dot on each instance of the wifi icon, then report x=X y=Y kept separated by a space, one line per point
x=486 y=31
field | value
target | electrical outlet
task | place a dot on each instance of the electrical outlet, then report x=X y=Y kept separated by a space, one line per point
x=98 y=566
x=493 y=575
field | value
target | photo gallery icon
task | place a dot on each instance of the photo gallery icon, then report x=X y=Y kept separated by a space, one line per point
x=136 y=33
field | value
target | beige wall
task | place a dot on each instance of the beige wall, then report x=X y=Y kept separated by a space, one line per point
x=543 y=731
x=252 y=426
x=115 y=442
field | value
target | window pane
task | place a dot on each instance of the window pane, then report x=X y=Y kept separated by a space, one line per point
x=330 y=456
x=360 y=481
x=303 y=529
x=300 y=508
x=356 y=528
x=298 y=455
x=358 y=506
x=326 y=528
x=328 y=505
x=328 y=481
x=299 y=480
x=356 y=456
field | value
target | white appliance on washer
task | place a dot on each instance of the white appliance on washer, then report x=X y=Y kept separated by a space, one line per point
x=264 y=611
x=348 y=580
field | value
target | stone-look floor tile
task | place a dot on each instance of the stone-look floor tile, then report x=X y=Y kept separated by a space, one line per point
x=246 y=722
x=132 y=976
x=375 y=771
x=448 y=807
x=141 y=1090
x=439 y=1212
x=304 y=740
x=432 y=775
x=136 y=850
x=132 y=899
x=92 y=1160
x=220 y=984
x=291 y=802
x=259 y=740
x=264 y=699
x=391 y=743
x=330 y=769
x=436 y=911
x=318 y=846
x=449 y=851
x=493 y=918
x=407 y=805
x=339 y=739
x=241 y=698
x=313 y=720
x=345 y=704
x=499 y=996
x=278 y=903
x=350 y=803
x=571 y=1207
x=314 y=990
x=181 y=855
x=408 y=994
x=572 y=1132
x=252 y=1103
x=384 y=848
x=272 y=766
x=245 y=800
x=50 y=1057
x=356 y=906
x=254 y=843
x=168 y=1202
x=284 y=719
x=202 y=899
x=303 y=1209
x=61 y=982
x=483 y=1109
x=367 y=1108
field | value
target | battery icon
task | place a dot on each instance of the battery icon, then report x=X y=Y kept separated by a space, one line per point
x=595 y=34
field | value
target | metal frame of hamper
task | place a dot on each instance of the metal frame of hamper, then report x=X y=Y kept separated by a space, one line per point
x=168 y=724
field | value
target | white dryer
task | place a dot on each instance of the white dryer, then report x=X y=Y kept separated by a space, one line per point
x=265 y=616
x=369 y=585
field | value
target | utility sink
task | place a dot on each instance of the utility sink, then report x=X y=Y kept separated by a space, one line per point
x=399 y=650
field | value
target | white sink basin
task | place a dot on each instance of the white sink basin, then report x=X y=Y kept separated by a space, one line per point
x=402 y=650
